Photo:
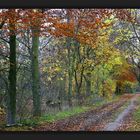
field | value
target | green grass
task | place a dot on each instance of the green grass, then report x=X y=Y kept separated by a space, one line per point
x=64 y=114
x=53 y=117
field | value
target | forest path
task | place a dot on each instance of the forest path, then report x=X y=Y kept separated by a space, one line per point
x=113 y=126
x=98 y=119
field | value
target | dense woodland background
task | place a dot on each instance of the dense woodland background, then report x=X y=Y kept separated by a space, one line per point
x=53 y=60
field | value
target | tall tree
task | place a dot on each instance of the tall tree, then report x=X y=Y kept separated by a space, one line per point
x=11 y=119
x=70 y=69
x=35 y=68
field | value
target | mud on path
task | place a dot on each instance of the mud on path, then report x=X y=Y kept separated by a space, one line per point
x=92 y=120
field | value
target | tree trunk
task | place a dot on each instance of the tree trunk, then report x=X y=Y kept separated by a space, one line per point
x=78 y=87
x=70 y=75
x=35 y=73
x=70 y=71
x=11 y=116
x=78 y=95
x=78 y=72
x=118 y=90
x=70 y=89
x=88 y=85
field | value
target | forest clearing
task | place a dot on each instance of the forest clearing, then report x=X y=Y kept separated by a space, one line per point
x=69 y=69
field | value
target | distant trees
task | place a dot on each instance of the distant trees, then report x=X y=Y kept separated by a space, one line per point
x=126 y=38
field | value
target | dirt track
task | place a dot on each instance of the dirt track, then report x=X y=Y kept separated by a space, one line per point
x=93 y=120
x=113 y=126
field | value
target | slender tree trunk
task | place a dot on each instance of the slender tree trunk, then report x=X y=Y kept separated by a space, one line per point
x=35 y=73
x=118 y=90
x=78 y=86
x=70 y=75
x=70 y=71
x=70 y=90
x=11 y=116
x=88 y=76
x=88 y=85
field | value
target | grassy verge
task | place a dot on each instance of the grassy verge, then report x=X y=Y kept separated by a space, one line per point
x=64 y=114
x=29 y=123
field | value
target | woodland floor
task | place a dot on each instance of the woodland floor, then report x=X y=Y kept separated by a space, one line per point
x=114 y=116
x=122 y=114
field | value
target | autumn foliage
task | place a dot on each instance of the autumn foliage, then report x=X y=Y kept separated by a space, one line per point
x=60 y=58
